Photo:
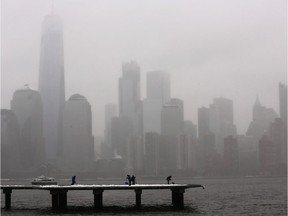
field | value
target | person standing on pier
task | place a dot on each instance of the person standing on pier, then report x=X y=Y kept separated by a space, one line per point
x=133 y=180
x=73 y=180
x=129 y=179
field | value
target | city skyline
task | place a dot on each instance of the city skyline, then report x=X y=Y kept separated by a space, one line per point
x=195 y=84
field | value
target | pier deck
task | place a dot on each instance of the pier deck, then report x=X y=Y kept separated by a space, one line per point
x=59 y=192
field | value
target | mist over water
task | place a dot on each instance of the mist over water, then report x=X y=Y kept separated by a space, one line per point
x=194 y=89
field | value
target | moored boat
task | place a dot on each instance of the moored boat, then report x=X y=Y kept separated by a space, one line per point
x=44 y=180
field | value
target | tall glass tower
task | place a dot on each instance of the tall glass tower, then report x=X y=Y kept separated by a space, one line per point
x=51 y=84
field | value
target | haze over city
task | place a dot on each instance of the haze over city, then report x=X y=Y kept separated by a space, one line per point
x=231 y=49
x=155 y=95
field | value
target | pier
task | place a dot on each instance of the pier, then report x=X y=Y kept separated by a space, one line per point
x=59 y=193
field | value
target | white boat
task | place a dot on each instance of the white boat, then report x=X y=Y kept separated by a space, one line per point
x=43 y=180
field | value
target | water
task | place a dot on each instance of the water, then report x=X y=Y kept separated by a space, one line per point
x=241 y=196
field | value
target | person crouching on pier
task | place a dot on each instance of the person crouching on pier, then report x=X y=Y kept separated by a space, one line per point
x=73 y=180
x=168 y=179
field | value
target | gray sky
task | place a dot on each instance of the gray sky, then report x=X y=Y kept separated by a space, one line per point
x=230 y=48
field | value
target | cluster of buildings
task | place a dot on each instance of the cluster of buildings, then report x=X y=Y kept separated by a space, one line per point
x=43 y=133
x=152 y=137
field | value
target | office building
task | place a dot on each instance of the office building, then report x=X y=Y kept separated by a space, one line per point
x=51 y=85
x=27 y=106
x=78 y=141
x=10 y=144
x=221 y=121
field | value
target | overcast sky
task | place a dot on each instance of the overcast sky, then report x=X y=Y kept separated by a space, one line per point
x=230 y=48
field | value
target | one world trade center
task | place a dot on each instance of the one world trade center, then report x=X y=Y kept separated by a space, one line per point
x=51 y=85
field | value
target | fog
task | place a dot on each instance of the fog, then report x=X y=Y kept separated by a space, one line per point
x=233 y=49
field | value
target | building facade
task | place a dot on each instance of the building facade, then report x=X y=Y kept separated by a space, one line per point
x=27 y=106
x=51 y=85
x=78 y=141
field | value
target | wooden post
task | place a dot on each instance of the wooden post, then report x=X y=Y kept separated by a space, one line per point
x=138 y=193
x=98 y=199
x=7 y=193
x=173 y=197
x=62 y=196
x=55 y=199
x=178 y=198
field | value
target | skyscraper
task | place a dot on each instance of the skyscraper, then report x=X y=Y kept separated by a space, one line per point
x=231 y=156
x=172 y=118
x=152 y=143
x=27 y=106
x=106 y=148
x=10 y=144
x=172 y=126
x=203 y=121
x=78 y=142
x=158 y=86
x=158 y=93
x=51 y=84
x=129 y=96
x=221 y=121
x=110 y=112
x=128 y=127
x=261 y=119
x=129 y=89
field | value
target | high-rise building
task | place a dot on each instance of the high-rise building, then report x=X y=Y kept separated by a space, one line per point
x=10 y=143
x=172 y=126
x=283 y=102
x=190 y=128
x=110 y=112
x=129 y=89
x=266 y=155
x=221 y=121
x=151 y=155
x=158 y=93
x=248 y=155
x=128 y=127
x=78 y=141
x=190 y=131
x=262 y=117
x=172 y=118
x=203 y=121
x=51 y=84
x=152 y=115
x=206 y=149
x=231 y=156
x=278 y=133
x=158 y=86
x=121 y=130
x=27 y=106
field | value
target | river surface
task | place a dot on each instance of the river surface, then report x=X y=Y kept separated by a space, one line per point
x=235 y=196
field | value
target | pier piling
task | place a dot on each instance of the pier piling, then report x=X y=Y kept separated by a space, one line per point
x=59 y=199
x=98 y=199
x=178 y=198
x=7 y=193
x=138 y=193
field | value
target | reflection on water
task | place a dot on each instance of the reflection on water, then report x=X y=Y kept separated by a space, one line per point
x=246 y=196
